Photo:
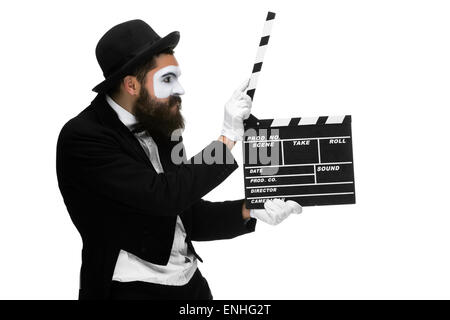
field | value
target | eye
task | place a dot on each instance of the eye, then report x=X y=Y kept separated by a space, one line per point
x=167 y=79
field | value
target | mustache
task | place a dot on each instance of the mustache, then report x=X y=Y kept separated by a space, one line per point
x=174 y=100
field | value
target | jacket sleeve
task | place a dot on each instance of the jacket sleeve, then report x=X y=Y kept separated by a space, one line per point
x=219 y=220
x=93 y=160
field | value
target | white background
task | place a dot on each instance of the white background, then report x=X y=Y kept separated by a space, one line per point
x=384 y=62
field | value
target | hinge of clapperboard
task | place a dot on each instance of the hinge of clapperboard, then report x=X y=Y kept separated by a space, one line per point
x=252 y=121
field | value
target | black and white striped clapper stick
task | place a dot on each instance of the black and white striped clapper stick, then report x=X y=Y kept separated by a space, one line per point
x=260 y=53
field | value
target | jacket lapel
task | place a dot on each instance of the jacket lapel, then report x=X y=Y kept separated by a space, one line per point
x=110 y=119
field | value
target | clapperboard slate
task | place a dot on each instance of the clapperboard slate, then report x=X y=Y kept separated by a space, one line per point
x=308 y=160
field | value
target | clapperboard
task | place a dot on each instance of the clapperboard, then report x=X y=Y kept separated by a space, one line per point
x=308 y=160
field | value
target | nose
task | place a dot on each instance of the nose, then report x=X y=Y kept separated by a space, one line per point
x=178 y=89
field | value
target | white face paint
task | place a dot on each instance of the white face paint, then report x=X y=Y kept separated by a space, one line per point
x=165 y=82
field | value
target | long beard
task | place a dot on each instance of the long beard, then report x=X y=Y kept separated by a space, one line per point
x=160 y=119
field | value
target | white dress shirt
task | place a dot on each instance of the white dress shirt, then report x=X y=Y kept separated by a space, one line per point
x=182 y=263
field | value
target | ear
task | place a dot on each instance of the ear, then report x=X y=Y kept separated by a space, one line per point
x=131 y=85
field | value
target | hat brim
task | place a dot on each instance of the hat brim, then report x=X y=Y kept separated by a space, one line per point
x=169 y=41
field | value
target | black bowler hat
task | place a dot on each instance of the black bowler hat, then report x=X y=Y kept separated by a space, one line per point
x=127 y=45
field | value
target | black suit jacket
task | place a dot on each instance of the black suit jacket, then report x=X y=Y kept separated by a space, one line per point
x=118 y=201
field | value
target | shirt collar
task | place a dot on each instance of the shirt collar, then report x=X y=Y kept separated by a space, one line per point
x=127 y=118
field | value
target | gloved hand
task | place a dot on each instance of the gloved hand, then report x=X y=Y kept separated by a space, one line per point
x=237 y=109
x=275 y=211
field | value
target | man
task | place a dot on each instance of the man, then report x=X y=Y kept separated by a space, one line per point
x=137 y=208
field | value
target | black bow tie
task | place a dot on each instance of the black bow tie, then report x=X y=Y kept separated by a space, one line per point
x=138 y=129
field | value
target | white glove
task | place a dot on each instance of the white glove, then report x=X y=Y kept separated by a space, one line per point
x=275 y=211
x=237 y=109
